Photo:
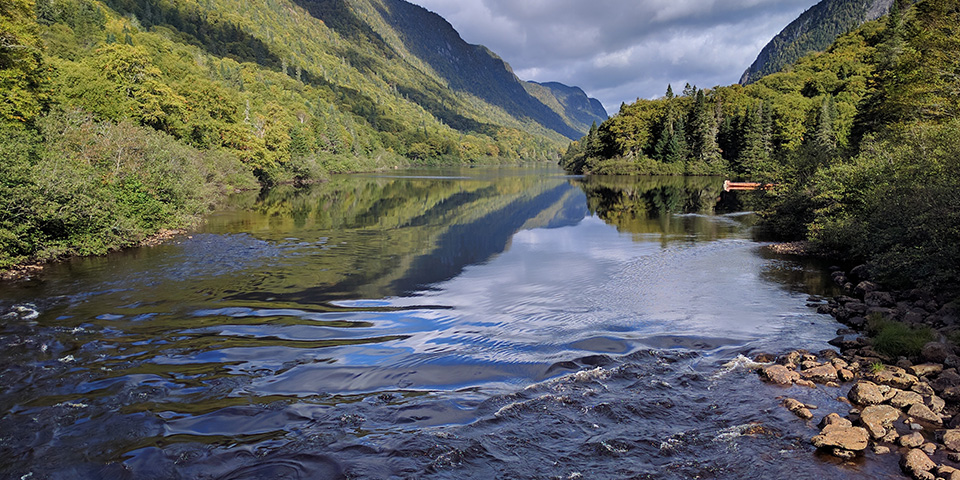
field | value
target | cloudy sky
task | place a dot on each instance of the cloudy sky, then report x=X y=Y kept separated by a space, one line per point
x=619 y=50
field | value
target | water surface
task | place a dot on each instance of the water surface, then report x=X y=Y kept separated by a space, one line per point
x=470 y=323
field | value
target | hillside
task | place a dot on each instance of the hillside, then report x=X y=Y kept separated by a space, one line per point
x=441 y=52
x=123 y=117
x=813 y=31
x=862 y=142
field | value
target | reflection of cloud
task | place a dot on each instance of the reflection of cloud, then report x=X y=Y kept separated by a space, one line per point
x=619 y=50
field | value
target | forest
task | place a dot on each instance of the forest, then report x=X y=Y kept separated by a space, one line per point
x=862 y=142
x=120 y=118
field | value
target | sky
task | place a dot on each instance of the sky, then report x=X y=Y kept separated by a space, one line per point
x=621 y=50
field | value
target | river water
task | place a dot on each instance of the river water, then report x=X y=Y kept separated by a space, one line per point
x=471 y=323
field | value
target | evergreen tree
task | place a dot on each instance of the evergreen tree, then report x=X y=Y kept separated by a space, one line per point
x=754 y=159
x=703 y=127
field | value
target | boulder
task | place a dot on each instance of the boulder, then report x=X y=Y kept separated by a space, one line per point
x=846 y=438
x=797 y=408
x=917 y=463
x=878 y=418
x=879 y=299
x=923 y=388
x=922 y=412
x=821 y=374
x=835 y=419
x=948 y=473
x=951 y=439
x=780 y=374
x=936 y=352
x=893 y=376
x=865 y=393
x=904 y=399
x=913 y=440
x=935 y=403
x=926 y=369
x=865 y=287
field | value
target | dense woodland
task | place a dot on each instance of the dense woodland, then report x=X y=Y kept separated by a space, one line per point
x=862 y=140
x=122 y=117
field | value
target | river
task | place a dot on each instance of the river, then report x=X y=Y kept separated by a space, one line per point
x=468 y=323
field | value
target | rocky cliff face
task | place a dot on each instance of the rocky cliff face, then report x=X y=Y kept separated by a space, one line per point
x=813 y=31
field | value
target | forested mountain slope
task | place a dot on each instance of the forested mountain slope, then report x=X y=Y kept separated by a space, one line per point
x=813 y=31
x=122 y=117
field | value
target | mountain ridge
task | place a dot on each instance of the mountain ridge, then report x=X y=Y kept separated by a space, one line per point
x=813 y=31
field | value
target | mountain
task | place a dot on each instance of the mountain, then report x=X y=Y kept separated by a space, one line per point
x=813 y=31
x=572 y=103
x=119 y=118
x=429 y=42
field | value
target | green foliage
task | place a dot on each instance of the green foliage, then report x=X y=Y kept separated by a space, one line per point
x=896 y=339
x=814 y=31
x=84 y=187
x=122 y=117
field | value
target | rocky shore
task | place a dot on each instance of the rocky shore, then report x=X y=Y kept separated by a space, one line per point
x=908 y=405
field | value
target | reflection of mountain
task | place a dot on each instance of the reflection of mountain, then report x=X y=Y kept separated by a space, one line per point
x=658 y=205
x=373 y=237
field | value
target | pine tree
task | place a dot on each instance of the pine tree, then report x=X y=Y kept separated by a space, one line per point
x=703 y=128
x=754 y=157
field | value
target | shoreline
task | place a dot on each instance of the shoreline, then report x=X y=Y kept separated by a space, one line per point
x=26 y=271
x=901 y=402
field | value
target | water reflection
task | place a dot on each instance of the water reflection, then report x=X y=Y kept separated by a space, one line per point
x=346 y=317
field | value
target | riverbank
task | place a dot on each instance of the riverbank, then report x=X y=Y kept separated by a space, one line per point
x=896 y=368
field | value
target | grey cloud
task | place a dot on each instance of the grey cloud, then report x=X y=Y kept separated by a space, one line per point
x=619 y=50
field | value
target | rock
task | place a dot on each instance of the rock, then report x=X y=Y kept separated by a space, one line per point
x=914 y=318
x=865 y=393
x=797 y=408
x=881 y=450
x=860 y=272
x=806 y=383
x=879 y=299
x=929 y=448
x=847 y=438
x=821 y=374
x=764 y=358
x=865 y=287
x=891 y=436
x=948 y=473
x=952 y=361
x=844 y=454
x=792 y=358
x=915 y=462
x=835 y=419
x=893 y=376
x=954 y=456
x=780 y=375
x=951 y=394
x=905 y=399
x=845 y=375
x=922 y=412
x=878 y=418
x=923 y=388
x=913 y=440
x=951 y=439
x=936 y=404
x=936 y=352
x=926 y=369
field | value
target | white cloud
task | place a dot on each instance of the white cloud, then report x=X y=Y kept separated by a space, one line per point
x=619 y=50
